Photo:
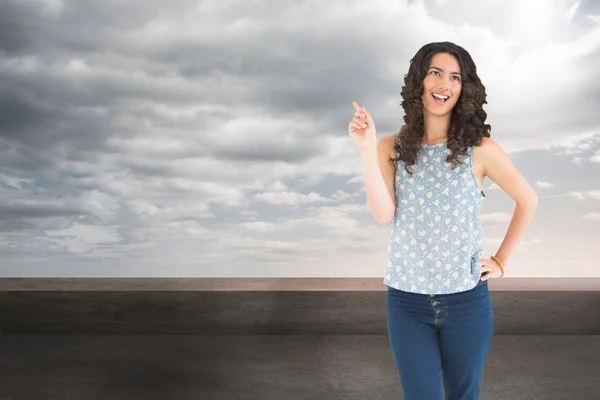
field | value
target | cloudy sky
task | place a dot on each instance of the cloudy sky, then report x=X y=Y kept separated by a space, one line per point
x=209 y=138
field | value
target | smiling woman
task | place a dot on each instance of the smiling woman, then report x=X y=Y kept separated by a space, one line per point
x=438 y=71
x=426 y=181
x=434 y=81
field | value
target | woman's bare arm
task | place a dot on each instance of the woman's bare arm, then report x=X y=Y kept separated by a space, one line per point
x=499 y=168
x=379 y=179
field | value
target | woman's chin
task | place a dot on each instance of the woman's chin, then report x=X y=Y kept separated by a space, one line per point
x=438 y=110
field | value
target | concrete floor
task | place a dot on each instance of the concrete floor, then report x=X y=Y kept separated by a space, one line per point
x=274 y=367
x=127 y=339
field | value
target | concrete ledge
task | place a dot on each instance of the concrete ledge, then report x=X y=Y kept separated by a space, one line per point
x=140 y=306
x=271 y=284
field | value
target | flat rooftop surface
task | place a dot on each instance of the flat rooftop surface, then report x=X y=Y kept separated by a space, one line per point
x=273 y=284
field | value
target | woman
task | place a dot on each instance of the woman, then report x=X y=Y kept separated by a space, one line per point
x=426 y=181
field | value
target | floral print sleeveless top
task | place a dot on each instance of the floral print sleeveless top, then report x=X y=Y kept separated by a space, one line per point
x=436 y=237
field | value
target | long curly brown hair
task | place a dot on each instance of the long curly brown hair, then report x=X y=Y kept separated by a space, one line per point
x=467 y=125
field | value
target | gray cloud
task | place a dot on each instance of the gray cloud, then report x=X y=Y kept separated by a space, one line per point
x=183 y=129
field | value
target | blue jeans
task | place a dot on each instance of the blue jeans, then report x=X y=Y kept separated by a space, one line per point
x=441 y=336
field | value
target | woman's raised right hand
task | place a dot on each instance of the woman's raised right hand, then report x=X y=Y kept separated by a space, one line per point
x=362 y=128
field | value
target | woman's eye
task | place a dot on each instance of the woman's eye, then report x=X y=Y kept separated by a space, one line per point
x=453 y=76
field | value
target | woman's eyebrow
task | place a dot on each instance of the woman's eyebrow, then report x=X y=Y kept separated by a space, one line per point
x=441 y=70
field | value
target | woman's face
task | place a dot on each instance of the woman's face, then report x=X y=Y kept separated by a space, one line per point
x=443 y=79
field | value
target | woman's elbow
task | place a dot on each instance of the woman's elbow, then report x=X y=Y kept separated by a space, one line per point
x=385 y=219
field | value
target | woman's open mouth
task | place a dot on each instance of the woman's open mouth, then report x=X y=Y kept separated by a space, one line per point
x=439 y=99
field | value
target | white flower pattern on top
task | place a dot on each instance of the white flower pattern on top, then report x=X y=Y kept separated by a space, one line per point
x=436 y=237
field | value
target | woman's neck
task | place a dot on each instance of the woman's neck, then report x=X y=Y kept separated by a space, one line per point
x=436 y=128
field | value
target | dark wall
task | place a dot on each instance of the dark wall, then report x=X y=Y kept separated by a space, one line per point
x=270 y=312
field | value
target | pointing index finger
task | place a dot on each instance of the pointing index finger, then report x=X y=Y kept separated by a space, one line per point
x=356 y=106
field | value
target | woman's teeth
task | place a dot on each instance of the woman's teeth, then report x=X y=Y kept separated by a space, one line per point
x=439 y=98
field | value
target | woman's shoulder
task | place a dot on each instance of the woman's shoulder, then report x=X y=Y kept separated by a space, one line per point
x=486 y=142
x=485 y=145
x=389 y=142
x=485 y=152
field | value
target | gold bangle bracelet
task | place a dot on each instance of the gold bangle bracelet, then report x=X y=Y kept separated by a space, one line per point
x=499 y=264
